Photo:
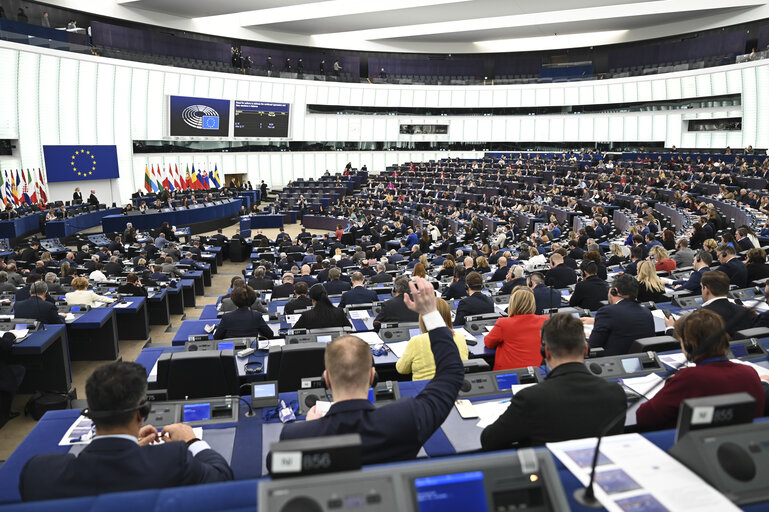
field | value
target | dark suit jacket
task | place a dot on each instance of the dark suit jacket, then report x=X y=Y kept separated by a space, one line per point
x=737 y=272
x=455 y=291
x=118 y=465
x=358 y=295
x=560 y=276
x=395 y=431
x=39 y=309
x=261 y=284
x=93 y=200
x=693 y=283
x=112 y=268
x=307 y=279
x=301 y=302
x=395 y=310
x=337 y=287
x=282 y=291
x=475 y=304
x=133 y=290
x=321 y=318
x=571 y=403
x=241 y=323
x=500 y=274
x=736 y=317
x=589 y=293
x=617 y=326
x=382 y=277
x=546 y=298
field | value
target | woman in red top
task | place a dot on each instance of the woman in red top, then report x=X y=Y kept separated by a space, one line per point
x=517 y=337
x=713 y=375
x=661 y=259
x=339 y=232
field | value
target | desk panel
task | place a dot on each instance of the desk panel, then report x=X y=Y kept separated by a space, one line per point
x=155 y=219
x=66 y=227
x=324 y=222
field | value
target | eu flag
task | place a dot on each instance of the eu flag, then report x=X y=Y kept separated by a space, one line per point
x=78 y=163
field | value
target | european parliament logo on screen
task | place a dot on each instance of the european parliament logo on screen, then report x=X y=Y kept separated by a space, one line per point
x=78 y=163
x=204 y=117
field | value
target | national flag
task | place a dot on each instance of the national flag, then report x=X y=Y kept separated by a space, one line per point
x=215 y=177
x=147 y=179
x=16 y=196
x=195 y=181
x=177 y=178
x=8 y=190
x=188 y=180
x=204 y=179
x=170 y=178
x=2 y=190
x=158 y=183
x=32 y=188
x=43 y=194
x=153 y=183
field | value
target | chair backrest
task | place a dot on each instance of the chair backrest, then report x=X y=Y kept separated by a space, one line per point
x=291 y=363
x=198 y=374
x=655 y=343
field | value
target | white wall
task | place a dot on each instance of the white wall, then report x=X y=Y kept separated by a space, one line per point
x=50 y=97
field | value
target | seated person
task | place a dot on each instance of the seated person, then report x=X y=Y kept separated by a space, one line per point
x=571 y=403
x=323 y=313
x=300 y=300
x=37 y=306
x=618 y=325
x=650 y=286
x=457 y=289
x=715 y=287
x=701 y=262
x=82 y=296
x=358 y=294
x=24 y=293
x=418 y=357
x=662 y=260
x=398 y=430
x=395 y=309
x=703 y=340
x=476 y=303
x=591 y=290
x=243 y=322
x=117 y=404
x=227 y=304
x=336 y=286
x=132 y=286
x=259 y=281
x=517 y=337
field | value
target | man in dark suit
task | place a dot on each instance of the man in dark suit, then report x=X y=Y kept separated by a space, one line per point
x=285 y=289
x=623 y=321
x=306 y=277
x=589 y=292
x=501 y=273
x=92 y=199
x=476 y=303
x=381 y=276
x=636 y=255
x=243 y=322
x=545 y=297
x=741 y=235
x=715 y=286
x=559 y=275
x=113 y=267
x=732 y=266
x=358 y=294
x=54 y=288
x=571 y=403
x=117 y=404
x=395 y=431
x=37 y=306
x=395 y=309
x=300 y=301
x=701 y=263
x=32 y=253
x=132 y=286
x=259 y=282
x=457 y=289
x=335 y=286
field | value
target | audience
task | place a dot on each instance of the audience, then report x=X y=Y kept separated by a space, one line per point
x=300 y=301
x=517 y=337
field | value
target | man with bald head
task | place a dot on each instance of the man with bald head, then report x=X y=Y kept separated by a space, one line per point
x=306 y=277
x=398 y=430
x=559 y=275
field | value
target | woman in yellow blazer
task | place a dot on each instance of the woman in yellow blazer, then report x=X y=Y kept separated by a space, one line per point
x=82 y=296
x=418 y=358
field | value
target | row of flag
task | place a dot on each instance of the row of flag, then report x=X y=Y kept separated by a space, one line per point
x=18 y=187
x=159 y=179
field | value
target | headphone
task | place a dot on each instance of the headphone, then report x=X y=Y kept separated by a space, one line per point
x=614 y=292
x=143 y=408
x=253 y=367
x=687 y=346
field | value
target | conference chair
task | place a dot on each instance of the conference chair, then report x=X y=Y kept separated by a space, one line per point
x=654 y=343
x=289 y=364
x=199 y=374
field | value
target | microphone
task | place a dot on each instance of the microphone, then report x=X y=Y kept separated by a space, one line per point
x=585 y=496
x=250 y=413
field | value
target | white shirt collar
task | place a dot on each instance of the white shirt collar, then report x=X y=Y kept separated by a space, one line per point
x=118 y=436
x=713 y=300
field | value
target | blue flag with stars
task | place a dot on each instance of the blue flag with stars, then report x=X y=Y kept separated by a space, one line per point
x=80 y=163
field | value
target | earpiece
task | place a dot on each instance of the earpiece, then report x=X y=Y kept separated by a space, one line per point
x=614 y=292
x=253 y=367
x=143 y=408
x=542 y=350
x=687 y=346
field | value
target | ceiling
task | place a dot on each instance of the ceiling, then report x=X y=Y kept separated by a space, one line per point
x=436 y=26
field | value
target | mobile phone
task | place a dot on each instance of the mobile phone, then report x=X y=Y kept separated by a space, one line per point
x=466 y=409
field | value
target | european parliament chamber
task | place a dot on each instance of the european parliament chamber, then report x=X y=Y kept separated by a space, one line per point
x=310 y=256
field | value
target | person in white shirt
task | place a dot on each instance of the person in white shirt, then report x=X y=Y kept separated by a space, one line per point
x=82 y=296
x=97 y=275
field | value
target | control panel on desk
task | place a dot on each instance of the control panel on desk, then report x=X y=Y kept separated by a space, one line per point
x=626 y=365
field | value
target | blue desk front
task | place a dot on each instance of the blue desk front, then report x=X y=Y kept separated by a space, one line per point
x=93 y=336
x=20 y=227
x=45 y=355
x=261 y=222
x=155 y=219
x=67 y=227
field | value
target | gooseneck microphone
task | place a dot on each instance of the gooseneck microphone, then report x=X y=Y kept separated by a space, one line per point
x=585 y=496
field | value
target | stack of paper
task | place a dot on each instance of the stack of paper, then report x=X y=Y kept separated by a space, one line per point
x=292 y=319
x=648 y=385
x=361 y=314
x=488 y=412
x=369 y=337
x=398 y=347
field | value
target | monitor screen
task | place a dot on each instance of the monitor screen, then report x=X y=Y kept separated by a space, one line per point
x=324 y=339
x=199 y=116
x=225 y=345
x=739 y=350
x=632 y=365
x=261 y=119
x=415 y=332
x=75 y=309
x=448 y=493
x=263 y=390
x=197 y=412
x=507 y=380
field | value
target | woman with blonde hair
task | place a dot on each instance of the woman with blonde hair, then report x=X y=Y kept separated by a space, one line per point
x=337 y=254
x=481 y=265
x=617 y=255
x=662 y=260
x=418 y=357
x=82 y=296
x=650 y=287
x=424 y=262
x=711 y=245
x=517 y=337
x=448 y=268
x=419 y=271
x=536 y=260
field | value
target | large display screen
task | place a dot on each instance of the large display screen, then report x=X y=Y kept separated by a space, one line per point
x=261 y=119
x=201 y=117
x=449 y=493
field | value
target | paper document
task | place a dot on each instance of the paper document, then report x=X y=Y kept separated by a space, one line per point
x=360 y=314
x=466 y=334
x=759 y=305
x=80 y=432
x=369 y=337
x=488 y=412
x=20 y=334
x=292 y=319
x=648 y=385
x=398 y=347
x=279 y=342
x=634 y=474
x=659 y=320
x=675 y=360
x=69 y=317
x=488 y=327
x=322 y=406
x=588 y=328
x=123 y=305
